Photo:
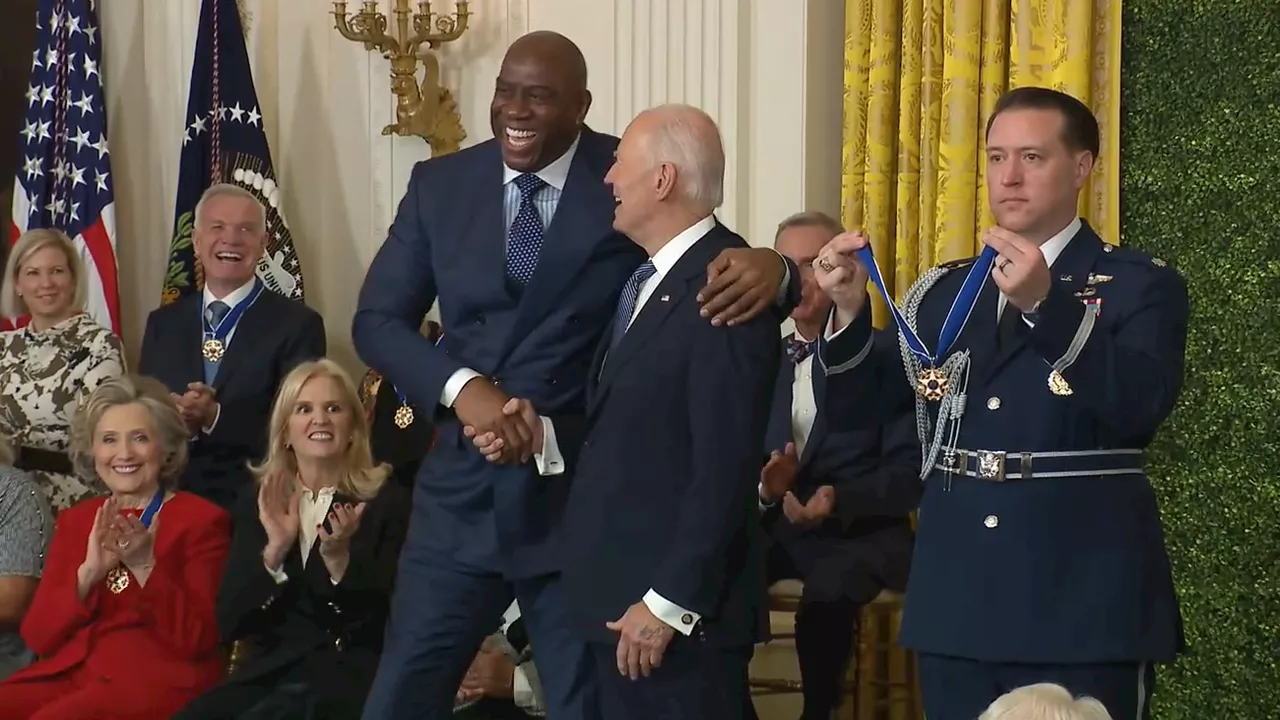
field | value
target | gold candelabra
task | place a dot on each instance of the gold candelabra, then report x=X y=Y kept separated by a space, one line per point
x=427 y=110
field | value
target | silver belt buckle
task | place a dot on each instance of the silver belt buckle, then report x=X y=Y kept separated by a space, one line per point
x=991 y=465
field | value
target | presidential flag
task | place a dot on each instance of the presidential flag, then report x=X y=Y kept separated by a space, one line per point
x=64 y=181
x=224 y=142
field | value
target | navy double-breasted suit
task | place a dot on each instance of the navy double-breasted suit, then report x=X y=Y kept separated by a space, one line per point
x=477 y=527
x=1045 y=560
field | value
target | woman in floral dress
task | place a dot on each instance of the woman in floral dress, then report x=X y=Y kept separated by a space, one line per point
x=49 y=366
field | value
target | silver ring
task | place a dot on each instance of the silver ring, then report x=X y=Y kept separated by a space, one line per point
x=122 y=544
x=1003 y=263
x=826 y=265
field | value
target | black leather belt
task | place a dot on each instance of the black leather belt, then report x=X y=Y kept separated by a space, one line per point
x=999 y=465
x=40 y=460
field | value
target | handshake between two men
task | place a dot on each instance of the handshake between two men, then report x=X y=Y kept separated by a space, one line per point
x=508 y=430
x=505 y=430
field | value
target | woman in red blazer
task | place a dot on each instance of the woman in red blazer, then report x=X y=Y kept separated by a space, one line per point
x=123 y=619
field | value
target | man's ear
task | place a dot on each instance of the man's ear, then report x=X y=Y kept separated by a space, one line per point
x=1084 y=166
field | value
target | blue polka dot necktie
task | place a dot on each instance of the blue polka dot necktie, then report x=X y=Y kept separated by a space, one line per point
x=627 y=301
x=524 y=239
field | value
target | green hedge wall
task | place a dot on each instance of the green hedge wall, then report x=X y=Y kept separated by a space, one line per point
x=1201 y=188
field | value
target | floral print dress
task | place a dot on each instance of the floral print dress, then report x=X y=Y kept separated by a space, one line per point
x=44 y=376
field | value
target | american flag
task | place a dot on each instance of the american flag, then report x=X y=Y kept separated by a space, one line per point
x=64 y=181
x=225 y=142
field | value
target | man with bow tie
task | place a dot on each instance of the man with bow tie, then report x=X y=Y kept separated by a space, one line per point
x=838 y=488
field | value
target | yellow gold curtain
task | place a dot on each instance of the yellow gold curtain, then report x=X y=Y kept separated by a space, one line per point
x=920 y=80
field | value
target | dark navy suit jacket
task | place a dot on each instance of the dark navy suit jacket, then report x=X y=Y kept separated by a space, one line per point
x=1063 y=569
x=665 y=492
x=274 y=336
x=449 y=241
x=870 y=455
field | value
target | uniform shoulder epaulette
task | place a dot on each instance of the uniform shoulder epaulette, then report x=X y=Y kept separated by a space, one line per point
x=962 y=262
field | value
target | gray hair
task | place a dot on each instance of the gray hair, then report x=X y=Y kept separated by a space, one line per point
x=1044 y=701
x=689 y=139
x=171 y=433
x=229 y=190
x=809 y=218
x=32 y=242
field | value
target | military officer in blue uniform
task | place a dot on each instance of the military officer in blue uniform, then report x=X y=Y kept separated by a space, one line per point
x=1043 y=368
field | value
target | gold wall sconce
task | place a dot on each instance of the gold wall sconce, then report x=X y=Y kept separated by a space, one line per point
x=425 y=109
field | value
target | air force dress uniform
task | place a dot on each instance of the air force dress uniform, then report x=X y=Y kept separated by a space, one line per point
x=1039 y=554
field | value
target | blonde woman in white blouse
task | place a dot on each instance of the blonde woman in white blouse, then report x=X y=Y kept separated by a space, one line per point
x=49 y=366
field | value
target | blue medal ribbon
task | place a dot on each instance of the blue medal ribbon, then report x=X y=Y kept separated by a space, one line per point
x=232 y=317
x=403 y=417
x=153 y=507
x=957 y=316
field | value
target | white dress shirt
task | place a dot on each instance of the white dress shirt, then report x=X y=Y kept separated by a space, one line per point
x=312 y=509
x=231 y=299
x=1051 y=249
x=804 y=406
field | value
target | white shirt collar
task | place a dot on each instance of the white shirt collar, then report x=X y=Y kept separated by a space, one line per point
x=554 y=174
x=1054 y=246
x=233 y=298
x=667 y=257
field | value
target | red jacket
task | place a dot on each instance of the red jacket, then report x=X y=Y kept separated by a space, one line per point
x=166 y=630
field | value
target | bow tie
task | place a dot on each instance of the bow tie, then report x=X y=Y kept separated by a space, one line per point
x=798 y=350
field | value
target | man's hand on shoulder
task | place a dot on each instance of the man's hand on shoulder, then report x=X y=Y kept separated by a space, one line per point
x=488 y=413
x=741 y=284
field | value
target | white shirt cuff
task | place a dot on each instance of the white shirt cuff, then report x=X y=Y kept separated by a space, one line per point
x=217 y=413
x=786 y=280
x=278 y=574
x=832 y=333
x=522 y=691
x=549 y=461
x=454 y=384
x=760 y=498
x=683 y=621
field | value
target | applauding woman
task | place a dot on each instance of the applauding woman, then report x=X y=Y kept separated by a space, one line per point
x=312 y=561
x=123 y=619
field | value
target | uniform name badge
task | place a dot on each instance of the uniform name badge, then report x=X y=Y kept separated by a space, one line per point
x=214 y=344
x=932 y=383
